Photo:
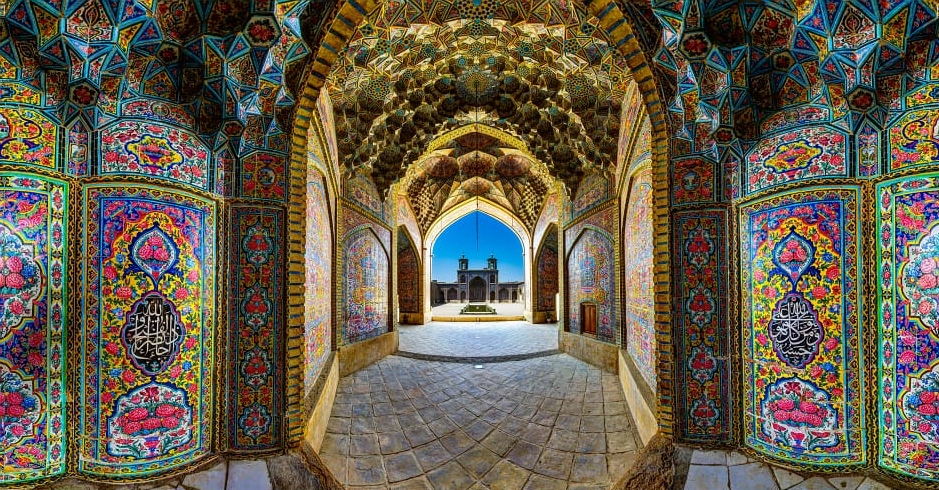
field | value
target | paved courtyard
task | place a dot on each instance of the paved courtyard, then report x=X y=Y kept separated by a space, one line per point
x=545 y=423
x=482 y=339
x=502 y=309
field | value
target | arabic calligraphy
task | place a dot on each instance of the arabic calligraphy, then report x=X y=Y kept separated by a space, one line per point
x=795 y=330
x=152 y=333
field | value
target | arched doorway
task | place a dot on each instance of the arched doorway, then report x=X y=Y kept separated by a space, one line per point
x=477 y=289
x=445 y=166
x=502 y=256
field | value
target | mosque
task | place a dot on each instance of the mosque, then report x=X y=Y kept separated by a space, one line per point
x=477 y=285
x=216 y=220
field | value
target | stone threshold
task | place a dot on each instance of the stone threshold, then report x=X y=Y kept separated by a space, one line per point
x=477 y=359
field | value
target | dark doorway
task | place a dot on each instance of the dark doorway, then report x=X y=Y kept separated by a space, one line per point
x=588 y=315
x=477 y=289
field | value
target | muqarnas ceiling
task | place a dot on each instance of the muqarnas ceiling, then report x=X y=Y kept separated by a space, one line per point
x=542 y=73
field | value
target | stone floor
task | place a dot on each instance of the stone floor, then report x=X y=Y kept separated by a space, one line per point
x=730 y=470
x=471 y=339
x=282 y=472
x=542 y=423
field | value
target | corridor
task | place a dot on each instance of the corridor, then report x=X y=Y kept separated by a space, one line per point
x=539 y=423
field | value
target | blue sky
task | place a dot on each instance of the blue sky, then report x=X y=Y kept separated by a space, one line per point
x=494 y=238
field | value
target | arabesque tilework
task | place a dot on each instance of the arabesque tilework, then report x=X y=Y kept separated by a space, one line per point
x=134 y=110
x=591 y=281
x=638 y=321
x=365 y=286
x=148 y=329
x=801 y=282
x=702 y=338
x=256 y=333
x=318 y=267
x=546 y=271
x=409 y=274
x=34 y=235
x=908 y=331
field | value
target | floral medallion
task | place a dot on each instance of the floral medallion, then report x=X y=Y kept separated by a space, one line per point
x=702 y=363
x=699 y=246
x=258 y=245
x=149 y=421
x=19 y=409
x=256 y=367
x=798 y=414
x=920 y=283
x=921 y=405
x=701 y=305
x=154 y=252
x=255 y=420
x=20 y=280
x=257 y=307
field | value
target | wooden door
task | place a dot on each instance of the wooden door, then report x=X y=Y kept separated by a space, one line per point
x=588 y=314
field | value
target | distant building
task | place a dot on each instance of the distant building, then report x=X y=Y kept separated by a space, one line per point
x=477 y=285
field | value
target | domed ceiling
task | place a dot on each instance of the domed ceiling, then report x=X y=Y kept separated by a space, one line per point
x=539 y=70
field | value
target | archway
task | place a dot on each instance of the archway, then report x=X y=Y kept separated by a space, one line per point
x=610 y=15
x=477 y=290
x=547 y=276
x=446 y=220
x=627 y=42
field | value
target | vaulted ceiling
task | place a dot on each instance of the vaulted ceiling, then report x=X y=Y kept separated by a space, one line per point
x=541 y=72
x=472 y=164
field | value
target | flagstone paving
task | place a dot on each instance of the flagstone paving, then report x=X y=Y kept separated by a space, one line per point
x=542 y=423
x=472 y=340
x=731 y=470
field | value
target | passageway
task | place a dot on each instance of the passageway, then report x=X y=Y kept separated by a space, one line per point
x=540 y=423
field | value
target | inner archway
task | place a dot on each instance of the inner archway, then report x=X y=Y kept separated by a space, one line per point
x=452 y=236
x=477 y=290
x=391 y=144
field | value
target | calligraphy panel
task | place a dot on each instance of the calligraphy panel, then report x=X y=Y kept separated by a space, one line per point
x=255 y=393
x=908 y=321
x=801 y=325
x=147 y=335
x=33 y=283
